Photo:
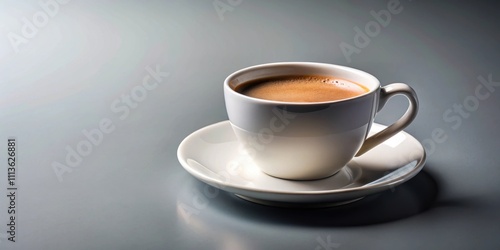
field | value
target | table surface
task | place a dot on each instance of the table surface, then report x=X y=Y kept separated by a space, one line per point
x=98 y=95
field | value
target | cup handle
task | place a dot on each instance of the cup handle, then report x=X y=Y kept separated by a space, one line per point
x=387 y=92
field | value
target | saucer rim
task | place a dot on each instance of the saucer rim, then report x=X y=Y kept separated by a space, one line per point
x=228 y=186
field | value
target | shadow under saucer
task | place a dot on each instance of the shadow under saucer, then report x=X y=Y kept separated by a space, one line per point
x=405 y=200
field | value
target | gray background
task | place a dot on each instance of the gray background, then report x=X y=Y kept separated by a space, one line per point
x=64 y=75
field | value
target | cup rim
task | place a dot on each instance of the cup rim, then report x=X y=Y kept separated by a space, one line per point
x=228 y=88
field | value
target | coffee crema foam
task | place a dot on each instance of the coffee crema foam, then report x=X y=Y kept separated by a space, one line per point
x=301 y=88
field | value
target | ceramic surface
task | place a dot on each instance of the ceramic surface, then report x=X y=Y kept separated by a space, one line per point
x=214 y=156
x=321 y=136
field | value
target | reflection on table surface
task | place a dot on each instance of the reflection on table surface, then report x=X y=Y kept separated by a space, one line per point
x=214 y=215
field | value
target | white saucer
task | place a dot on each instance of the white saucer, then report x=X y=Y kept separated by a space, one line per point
x=213 y=155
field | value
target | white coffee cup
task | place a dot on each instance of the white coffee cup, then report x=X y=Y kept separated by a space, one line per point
x=304 y=140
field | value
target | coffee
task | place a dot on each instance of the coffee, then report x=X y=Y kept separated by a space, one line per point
x=301 y=88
